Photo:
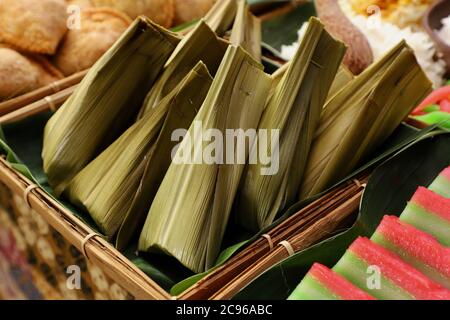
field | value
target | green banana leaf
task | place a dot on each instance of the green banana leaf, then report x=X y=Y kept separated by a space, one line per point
x=391 y=185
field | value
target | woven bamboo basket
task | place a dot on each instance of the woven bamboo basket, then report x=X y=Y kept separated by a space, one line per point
x=41 y=241
x=36 y=251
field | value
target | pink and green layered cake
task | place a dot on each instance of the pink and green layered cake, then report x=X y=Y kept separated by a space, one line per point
x=322 y=283
x=442 y=184
x=415 y=247
x=429 y=212
x=385 y=276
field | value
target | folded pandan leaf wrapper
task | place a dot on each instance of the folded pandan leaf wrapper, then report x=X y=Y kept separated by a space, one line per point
x=308 y=225
x=188 y=217
x=221 y=16
x=343 y=77
x=187 y=99
x=246 y=30
x=294 y=110
x=108 y=185
x=201 y=44
x=277 y=76
x=361 y=116
x=106 y=101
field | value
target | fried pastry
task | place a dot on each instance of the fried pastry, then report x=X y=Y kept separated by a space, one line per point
x=80 y=49
x=17 y=74
x=47 y=72
x=188 y=10
x=159 y=11
x=83 y=4
x=33 y=26
x=22 y=72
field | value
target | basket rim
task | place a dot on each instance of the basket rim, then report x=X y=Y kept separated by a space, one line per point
x=99 y=252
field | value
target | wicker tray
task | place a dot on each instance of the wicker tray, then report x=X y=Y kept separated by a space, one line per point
x=44 y=240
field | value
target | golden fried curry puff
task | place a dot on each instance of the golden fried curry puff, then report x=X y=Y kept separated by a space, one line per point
x=33 y=26
x=81 y=48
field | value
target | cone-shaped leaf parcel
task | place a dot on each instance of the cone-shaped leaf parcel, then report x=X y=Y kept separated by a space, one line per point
x=107 y=187
x=188 y=217
x=221 y=16
x=201 y=44
x=247 y=30
x=343 y=77
x=106 y=101
x=187 y=100
x=362 y=115
x=294 y=110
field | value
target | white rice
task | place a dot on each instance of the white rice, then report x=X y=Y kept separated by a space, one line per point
x=288 y=51
x=383 y=36
x=444 y=33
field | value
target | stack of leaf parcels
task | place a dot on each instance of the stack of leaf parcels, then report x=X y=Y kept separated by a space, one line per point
x=362 y=115
x=109 y=184
x=188 y=217
x=106 y=102
x=201 y=44
x=294 y=110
